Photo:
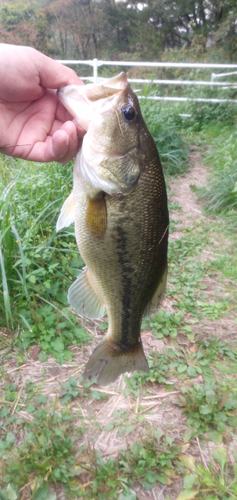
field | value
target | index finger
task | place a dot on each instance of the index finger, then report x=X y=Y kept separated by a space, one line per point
x=54 y=74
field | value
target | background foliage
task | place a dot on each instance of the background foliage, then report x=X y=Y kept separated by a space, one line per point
x=49 y=422
x=84 y=29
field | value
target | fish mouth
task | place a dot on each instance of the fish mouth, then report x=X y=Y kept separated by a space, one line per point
x=85 y=101
x=107 y=88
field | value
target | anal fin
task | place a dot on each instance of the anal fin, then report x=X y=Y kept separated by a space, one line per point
x=108 y=361
x=84 y=298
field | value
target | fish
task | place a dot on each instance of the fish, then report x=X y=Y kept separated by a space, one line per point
x=119 y=207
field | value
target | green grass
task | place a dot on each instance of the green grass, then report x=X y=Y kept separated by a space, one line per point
x=48 y=454
x=48 y=434
x=172 y=149
x=221 y=194
x=45 y=454
x=37 y=264
x=208 y=408
x=216 y=481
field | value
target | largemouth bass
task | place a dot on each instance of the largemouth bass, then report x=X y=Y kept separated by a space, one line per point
x=119 y=206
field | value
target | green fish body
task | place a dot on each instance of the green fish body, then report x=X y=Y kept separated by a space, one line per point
x=121 y=226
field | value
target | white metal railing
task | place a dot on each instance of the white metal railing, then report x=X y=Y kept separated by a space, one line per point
x=219 y=75
x=96 y=63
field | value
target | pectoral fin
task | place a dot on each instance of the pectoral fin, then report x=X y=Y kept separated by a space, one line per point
x=96 y=216
x=108 y=361
x=67 y=214
x=157 y=298
x=84 y=298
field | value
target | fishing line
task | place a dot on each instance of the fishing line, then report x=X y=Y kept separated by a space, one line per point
x=14 y=146
x=163 y=235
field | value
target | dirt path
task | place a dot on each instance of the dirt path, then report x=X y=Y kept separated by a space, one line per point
x=190 y=216
x=183 y=194
x=154 y=408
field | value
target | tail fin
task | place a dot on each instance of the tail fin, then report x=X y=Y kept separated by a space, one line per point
x=108 y=361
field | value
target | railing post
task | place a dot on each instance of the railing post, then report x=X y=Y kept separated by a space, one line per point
x=95 y=70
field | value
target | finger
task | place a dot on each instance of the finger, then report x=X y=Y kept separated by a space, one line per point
x=65 y=143
x=61 y=147
x=33 y=71
x=53 y=74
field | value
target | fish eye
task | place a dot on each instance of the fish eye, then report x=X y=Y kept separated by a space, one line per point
x=128 y=112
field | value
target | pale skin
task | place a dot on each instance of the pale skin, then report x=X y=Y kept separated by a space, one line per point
x=34 y=125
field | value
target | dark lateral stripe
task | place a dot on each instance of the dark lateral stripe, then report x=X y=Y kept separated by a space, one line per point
x=126 y=271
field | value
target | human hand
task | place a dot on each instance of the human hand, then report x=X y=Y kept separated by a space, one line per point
x=34 y=125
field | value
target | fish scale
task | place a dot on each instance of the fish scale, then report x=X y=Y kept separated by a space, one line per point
x=122 y=234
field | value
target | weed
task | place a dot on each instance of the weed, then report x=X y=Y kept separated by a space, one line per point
x=37 y=265
x=163 y=366
x=221 y=195
x=10 y=391
x=205 y=115
x=217 y=481
x=209 y=349
x=213 y=310
x=163 y=324
x=148 y=461
x=172 y=149
x=123 y=422
x=152 y=460
x=47 y=455
x=46 y=452
x=159 y=372
x=207 y=408
x=69 y=391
